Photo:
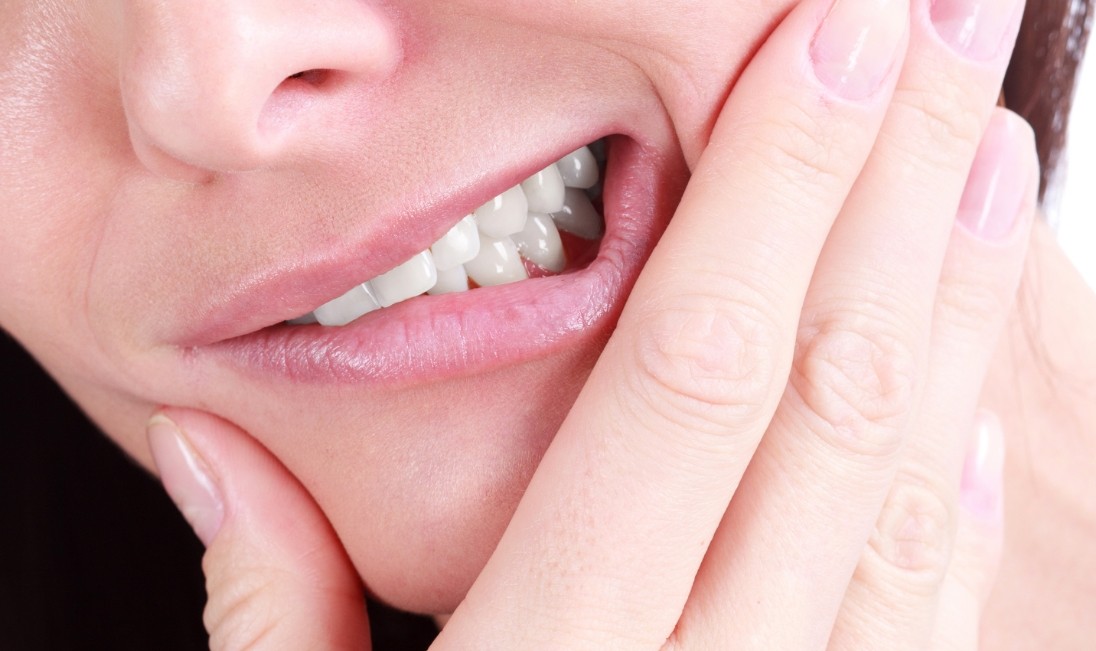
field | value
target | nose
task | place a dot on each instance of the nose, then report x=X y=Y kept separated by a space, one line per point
x=236 y=85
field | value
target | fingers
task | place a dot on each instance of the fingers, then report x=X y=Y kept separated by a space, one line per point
x=603 y=548
x=943 y=613
x=276 y=575
x=978 y=542
x=823 y=470
x=902 y=571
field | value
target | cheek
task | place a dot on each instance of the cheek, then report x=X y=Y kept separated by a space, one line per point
x=65 y=151
x=60 y=129
x=692 y=52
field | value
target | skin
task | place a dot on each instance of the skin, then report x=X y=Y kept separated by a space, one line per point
x=94 y=250
x=1041 y=383
x=114 y=346
x=171 y=199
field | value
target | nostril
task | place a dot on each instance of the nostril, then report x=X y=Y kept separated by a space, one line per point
x=316 y=77
x=295 y=97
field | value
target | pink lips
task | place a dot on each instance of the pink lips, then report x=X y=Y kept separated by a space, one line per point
x=434 y=337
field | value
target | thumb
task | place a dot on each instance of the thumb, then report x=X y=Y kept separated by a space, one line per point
x=276 y=575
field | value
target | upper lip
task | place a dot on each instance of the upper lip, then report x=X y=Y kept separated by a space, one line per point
x=300 y=286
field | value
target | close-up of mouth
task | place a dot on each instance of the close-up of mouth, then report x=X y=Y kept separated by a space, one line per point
x=546 y=225
x=543 y=264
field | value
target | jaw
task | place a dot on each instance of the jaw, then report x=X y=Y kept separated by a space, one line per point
x=420 y=473
x=424 y=469
x=437 y=461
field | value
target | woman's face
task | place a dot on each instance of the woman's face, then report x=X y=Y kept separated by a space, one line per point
x=173 y=191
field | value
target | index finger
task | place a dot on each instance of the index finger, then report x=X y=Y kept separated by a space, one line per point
x=607 y=540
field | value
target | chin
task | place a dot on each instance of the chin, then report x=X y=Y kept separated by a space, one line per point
x=421 y=533
x=421 y=502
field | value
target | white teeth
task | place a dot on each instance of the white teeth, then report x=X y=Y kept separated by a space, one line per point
x=406 y=281
x=347 y=307
x=504 y=215
x=458 y=246
x=539 y=243
x=498 y=263
x=544 y=190
x=490 y=246
x=579 y=169
x=579 y=217
x=450 y=281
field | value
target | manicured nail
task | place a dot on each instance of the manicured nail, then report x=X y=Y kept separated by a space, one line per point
x=982 y=487
x=998 y=180
x=186 y=478
x=858 y=45
x=976 y=29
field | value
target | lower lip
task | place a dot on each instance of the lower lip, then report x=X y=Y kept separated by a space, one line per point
x=430 y=338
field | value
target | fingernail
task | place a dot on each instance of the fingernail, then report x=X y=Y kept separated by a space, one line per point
x=858 y=45
x=998 y=180
x=982 y=486
x=975 y=28
x=186 y=478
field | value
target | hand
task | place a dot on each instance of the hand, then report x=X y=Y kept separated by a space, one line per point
x=809 y=338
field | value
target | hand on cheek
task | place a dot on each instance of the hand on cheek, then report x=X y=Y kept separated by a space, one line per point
x=769 y=452
x=811 y=327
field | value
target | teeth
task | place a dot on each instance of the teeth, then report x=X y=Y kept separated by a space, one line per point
x=406 y=281
x=458 y=246
x=579 y=217
x=450 y=281
x=498 y=263
x=347 y=307
x=578 y=169
x=504 y=215
x=544 y=190
x=489 y=247
x=539 y=243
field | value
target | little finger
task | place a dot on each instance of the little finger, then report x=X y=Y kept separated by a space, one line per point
x=978 y=541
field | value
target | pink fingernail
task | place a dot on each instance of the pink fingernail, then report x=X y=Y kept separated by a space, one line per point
x=998 y=179
x=982 y=484
x=858 y=44
x=186 y=478
x=975 y=28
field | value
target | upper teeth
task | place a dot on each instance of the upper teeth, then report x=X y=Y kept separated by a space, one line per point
x=487 y=246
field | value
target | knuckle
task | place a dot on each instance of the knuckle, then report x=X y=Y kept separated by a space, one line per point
x=943 y=111
x=910 y=548
x=804 y=152
x=798 y=150
x=855 y=385
x=704 y=364
x=971 y=304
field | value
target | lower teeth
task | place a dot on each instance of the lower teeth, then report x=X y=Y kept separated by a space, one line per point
x=488 y=246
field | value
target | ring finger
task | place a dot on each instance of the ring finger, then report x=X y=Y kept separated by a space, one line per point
x=903 y=570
